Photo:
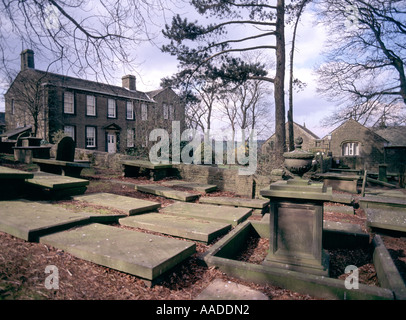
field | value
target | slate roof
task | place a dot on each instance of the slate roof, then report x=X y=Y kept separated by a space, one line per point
x=82 y=84
x=396 y=135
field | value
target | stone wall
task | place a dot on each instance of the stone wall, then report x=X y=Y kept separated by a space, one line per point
x=226 y=179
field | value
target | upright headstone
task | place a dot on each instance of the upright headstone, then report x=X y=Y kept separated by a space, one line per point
x=66 y=150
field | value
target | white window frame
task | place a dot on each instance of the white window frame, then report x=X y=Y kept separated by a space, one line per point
x=69 y=131
x=144 y=112
x=90 y=137
x=90 y=105
x=350 y=149
x=130 y=110
x=111 y=108
x=130 y=137
x=69 y=102
x=165 y=111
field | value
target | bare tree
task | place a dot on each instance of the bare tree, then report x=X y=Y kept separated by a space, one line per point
x=85 y=37
x=365 y=71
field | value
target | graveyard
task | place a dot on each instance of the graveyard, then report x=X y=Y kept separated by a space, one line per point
x=114 y=235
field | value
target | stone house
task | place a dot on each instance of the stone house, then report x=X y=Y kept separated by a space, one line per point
x=97 y=116
x=356 y=146
x=309 y=138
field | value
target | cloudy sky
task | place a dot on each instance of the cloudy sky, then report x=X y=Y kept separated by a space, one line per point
x=309 y=108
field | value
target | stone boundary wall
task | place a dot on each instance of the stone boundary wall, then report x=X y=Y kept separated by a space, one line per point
x=226 y=179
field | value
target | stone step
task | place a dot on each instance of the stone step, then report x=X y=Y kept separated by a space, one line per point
x=166 y=192
x=29 y=220
x=178 y=226
x=143 y=255
x=10 y=173
x=56 y=186
x=386 y=219
x=209 y=212
x=200 y=187
x=236 y=202
x=127 y=204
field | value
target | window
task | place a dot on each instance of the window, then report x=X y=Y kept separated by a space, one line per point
x=166 y=111
x=69 y=131
x=90 y=137
x=12 y=106
x=68 y=103
x=111 y=112
x=350 y=149
x=144 y=112
x=130 y=138
x=90 y=105
x=130 y=110
x=171 y=112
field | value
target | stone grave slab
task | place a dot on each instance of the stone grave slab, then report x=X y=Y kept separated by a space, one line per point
x=200 y=187
x=227 y=290
x=209 y=212
x=178 y=226
x=127 y=204
x=339 y=209
x=166 y=192
x=10 y=173
x=383 y=202
x=386 y=219
x=29 y=220
x=57 y=186
x=236 y=202
x=12 y=182
x=143 y=255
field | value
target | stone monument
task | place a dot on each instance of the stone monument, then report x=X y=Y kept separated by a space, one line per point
x=296 y=218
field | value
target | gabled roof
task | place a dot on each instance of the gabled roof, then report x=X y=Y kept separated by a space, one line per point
x=53 y=79
x=314 y=136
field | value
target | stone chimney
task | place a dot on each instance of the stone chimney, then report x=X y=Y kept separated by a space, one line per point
x=128 y=82
x=27 y=59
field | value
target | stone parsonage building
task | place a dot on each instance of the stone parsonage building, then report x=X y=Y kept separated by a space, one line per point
x=96 y=115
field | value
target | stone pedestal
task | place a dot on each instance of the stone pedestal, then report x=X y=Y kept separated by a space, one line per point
x=296 y=226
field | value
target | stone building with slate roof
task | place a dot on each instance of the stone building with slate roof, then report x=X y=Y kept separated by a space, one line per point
x=356 y=146
x=97 y=116
x=309 y=138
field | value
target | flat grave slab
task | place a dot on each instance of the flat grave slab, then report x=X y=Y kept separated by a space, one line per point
x=227 y=290
x=143 y=255
x=209 y=212
x=200 y=187
x=29 y=220
x=236 y=202
x=178 y=226
x=12 y=182
x=382 y=202
x=57 y=186
x=386 y=219
x=166 y=192
x=10 y=173
x=339 y=209
x=127 y=204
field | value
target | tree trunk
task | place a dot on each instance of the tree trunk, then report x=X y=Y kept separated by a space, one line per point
x=279 y=88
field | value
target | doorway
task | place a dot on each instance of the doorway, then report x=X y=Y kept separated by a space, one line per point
x=111 y=142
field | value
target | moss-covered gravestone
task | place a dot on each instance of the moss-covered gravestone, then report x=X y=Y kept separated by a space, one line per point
x=66 y=150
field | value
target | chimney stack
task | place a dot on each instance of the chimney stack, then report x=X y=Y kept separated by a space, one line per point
x=128 y=82
x=27 y=60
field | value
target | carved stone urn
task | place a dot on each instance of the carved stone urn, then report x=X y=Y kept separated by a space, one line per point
x=298 y=162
